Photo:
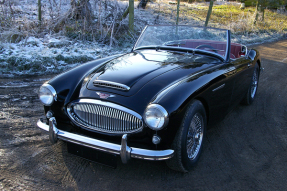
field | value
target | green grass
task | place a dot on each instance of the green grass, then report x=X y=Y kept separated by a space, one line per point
x=233 y=18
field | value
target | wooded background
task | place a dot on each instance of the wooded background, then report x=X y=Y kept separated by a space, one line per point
x=111 y=22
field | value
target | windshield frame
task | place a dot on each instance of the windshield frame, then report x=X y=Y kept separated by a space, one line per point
x=225 y=58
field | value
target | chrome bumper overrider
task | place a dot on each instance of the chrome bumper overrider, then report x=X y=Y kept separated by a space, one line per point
x=123 y=150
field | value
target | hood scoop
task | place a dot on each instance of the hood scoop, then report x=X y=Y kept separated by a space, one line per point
x=110 y=84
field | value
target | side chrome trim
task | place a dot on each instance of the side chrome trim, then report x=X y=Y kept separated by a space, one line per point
x=219 y=87
x=122 y=150
x=167 y=89
x=111 y=84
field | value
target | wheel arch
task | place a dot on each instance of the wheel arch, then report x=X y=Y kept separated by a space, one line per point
x=205 y=105
x=198 y=90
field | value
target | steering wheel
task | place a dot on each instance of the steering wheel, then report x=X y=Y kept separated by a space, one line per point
x=174 y=43
x=206 y=46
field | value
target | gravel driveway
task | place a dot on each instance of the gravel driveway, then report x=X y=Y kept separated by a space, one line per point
x=245 y=151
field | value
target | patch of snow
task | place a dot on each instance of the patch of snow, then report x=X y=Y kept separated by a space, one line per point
x=49 y=55
x=54 y=53
x=4 y=97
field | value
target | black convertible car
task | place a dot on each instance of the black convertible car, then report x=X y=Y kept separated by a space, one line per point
x=155 y=102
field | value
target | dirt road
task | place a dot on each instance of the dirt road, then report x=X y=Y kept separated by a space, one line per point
x=246 y=151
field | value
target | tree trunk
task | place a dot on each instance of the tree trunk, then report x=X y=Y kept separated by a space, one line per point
x=208 y=13
x=131 y=15
x=263 y=11
x=256 y=12
x=39 y=12
x=177 y=11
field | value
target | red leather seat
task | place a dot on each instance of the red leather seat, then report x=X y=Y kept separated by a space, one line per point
x=218 y=45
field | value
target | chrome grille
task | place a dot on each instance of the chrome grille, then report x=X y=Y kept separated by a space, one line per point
x=105 y=118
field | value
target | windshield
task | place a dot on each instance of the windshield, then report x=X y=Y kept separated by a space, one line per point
x=206 y=39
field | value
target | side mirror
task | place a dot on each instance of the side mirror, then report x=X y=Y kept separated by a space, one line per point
x=244 y=51
x=251 y=54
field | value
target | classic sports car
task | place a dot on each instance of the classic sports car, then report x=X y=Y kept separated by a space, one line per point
x=155 y=102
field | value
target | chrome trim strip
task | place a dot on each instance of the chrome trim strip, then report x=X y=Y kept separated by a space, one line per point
x=111 y=84
x=119 y=115
x=228 y=46
x=112 y=148
x=219 y=87
x=168 y=88
x=139 y=39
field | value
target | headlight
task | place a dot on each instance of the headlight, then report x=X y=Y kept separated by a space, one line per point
x=47 y=94
x=156 y=117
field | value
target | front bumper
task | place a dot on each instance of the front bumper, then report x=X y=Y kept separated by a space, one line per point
x=123 y=150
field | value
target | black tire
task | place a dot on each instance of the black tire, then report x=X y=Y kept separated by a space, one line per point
x=194 y=118
x=252 y=90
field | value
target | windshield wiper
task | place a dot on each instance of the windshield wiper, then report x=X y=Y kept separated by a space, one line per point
x=175 y=43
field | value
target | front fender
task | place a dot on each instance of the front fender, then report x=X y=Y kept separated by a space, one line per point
x=175 y=98
x=68 y=84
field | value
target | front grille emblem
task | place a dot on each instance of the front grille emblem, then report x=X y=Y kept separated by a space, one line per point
x=105 y=96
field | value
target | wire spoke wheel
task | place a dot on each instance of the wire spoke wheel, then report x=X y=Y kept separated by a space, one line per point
x=194 y=136
x=253 y=87
x=254 y=84
x=189 y=139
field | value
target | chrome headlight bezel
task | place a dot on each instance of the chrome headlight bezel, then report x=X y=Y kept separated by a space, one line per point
x=50 y=91
x=163 y=115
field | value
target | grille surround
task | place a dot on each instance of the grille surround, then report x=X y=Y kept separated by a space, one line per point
x=107 y=117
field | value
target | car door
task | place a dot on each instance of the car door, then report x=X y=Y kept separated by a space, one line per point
x=221 y=91
x=242 y=79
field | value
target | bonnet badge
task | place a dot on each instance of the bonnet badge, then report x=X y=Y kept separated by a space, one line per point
x=105 y=96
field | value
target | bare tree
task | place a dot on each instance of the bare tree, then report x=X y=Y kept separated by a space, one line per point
x=39 y=12
x=257 y=11
x=209 y=13
x=81 y=9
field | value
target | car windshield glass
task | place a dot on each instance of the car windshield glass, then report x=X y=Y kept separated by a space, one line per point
x=207 y=39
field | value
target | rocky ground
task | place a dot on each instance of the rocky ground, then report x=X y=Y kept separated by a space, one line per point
x=246 y=151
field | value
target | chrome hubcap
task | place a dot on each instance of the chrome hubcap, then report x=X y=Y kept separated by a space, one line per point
x=194 y=136
x=254 y=84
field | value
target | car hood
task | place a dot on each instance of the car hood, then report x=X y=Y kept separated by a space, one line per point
x=146 y=73
x=135 y=70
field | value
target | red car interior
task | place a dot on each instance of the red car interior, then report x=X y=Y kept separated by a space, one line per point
x=236 y=49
